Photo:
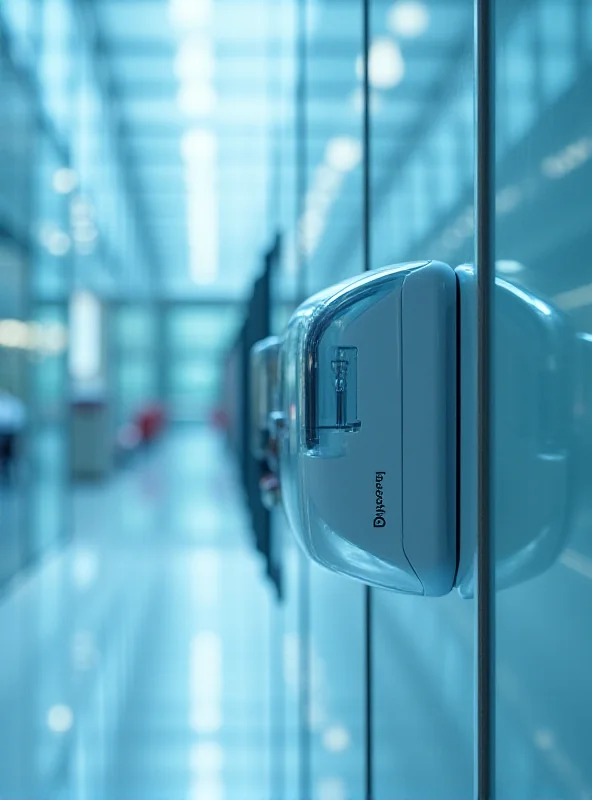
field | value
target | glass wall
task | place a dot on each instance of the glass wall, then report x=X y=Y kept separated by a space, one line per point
x=421 y=161
x=361 y=733
x=542 y=399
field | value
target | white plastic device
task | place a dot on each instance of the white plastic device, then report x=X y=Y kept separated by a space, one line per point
x=376 y=428
x=368 y=453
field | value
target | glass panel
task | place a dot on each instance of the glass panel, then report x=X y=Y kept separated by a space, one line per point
x=202 y=329
x=330 y=230
x=329 y=225
x=542 y=402
x=421 y=201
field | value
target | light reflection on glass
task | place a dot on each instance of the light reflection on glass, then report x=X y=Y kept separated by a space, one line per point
x=205 y=682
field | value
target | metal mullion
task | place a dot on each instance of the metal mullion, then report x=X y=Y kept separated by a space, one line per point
x=367 y=264
x=484 y=244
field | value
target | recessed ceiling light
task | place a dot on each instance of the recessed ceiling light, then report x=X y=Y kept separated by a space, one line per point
x=196 y=100
x=194 y=60
x=409 y=18
x=64 y=180
x=343 y=153
x=60 y=718
x=386 y=64
x=189 y=13
x=58 y=243
x=198 y=144
x=336 y=739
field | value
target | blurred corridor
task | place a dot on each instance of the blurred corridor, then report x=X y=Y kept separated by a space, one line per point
x=135 y=661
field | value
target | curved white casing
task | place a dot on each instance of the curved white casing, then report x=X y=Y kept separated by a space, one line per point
x=375 y=498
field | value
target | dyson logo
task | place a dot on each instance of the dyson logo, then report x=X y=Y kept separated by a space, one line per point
x=380 y=516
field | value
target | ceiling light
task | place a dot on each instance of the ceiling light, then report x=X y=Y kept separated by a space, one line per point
x=58 y=243
x=386 y=65
x=196 y=101
x=202 y=224
x=509 y=267
x=194 y=60
x=570 y=158
x=336 y=739
x=198 y=145
x=86 y=233
x=189 y=13
x=60 y=719
x=64 y=180
x=206 y=682
x=206 y=757
x=343 y=153
x=408 y=18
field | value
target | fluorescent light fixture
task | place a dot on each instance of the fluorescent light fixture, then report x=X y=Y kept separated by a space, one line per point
x=196 y=100
x=336 y=739
x=408 y=18
x=509 y=267
x=386 y=64
x=64 y=180
x=507 y=199
x=206 y=758
x=574 y=298
x=567 y=160
x=85 y=365
x=205 y=682
x=208 y=788
x=343 y=153
x=186 y=14
x=197 y=146
x=194 y=60
x=60 y=718
x=202 y=223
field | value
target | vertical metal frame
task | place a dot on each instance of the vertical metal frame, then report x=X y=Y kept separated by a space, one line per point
x=485 y=262
x=301 y=154
x=367 y=264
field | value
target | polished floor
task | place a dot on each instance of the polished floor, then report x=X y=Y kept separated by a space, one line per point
x=148 y=660
x=134 y=662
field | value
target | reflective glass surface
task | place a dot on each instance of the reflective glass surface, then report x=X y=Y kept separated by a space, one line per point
x=542 y=401
x=421 y=171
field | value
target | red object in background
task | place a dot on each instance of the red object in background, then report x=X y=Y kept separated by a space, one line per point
x=150 y=421
x=219 y=419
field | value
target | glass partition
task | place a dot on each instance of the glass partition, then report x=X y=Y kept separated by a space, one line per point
x=542 y=403
x=421 y=150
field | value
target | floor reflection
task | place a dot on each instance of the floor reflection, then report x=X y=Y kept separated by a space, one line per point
x=134 y=662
